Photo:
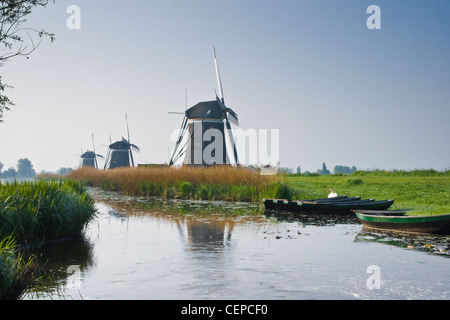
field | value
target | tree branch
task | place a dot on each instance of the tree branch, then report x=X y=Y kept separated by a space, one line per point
x=14 y=38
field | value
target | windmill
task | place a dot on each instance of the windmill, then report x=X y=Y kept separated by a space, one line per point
x=205 y=125
x=120 y=152
x=89 y=158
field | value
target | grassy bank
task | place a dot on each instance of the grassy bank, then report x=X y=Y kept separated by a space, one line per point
x=419 y=191
x=36 y=211
x=197 y=183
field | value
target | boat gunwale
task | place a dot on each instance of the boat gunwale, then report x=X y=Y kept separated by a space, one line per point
x=374 y=217
x=438 y=224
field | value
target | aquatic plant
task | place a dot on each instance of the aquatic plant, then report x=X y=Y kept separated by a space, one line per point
x=16 y=272
x=37 y=210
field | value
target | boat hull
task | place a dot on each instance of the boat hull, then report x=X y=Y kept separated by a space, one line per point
x=327 y=206
x=347 y=207
x=435 y=224
x=281 y=204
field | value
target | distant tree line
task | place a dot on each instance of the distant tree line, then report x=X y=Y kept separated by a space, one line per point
x=24 y=170
x=324 y=171
x=341 y=170
x=344 y=169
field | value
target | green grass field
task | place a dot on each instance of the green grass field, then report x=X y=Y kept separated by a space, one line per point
x=419 y=193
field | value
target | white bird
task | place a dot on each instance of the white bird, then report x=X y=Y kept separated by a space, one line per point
x=332 y=194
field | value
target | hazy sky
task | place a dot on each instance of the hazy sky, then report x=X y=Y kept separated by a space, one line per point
x=339 y=92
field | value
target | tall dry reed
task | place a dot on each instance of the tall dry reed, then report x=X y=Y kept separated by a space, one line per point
x=212 y=183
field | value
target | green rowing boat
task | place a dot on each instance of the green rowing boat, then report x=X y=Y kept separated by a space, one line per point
x=385 y=220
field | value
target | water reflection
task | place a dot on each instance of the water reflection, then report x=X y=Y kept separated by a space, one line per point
x=203 y=224
x=205 y=231
x=141 y=248
x=312 y=219
x=433 y=244
x=57 y=257
x=207 y=235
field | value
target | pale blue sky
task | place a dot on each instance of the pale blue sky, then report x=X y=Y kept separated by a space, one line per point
x=339 y=93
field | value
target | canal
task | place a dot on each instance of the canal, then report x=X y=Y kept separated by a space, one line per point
x=141 y=248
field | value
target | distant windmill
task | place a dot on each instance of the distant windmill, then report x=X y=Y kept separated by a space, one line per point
x=120 y=152
x=205 y=123
x=89 y=158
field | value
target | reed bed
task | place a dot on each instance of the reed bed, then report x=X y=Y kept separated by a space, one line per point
x=198 y=183
x=35 y=211
x=38 y=210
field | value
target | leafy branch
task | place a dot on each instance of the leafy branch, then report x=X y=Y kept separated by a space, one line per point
x=16 y=40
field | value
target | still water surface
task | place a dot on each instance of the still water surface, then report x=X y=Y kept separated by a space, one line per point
x=152 y=249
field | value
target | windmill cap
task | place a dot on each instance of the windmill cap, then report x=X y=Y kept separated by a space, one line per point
x=207 y=110
x=120 y=145
x=88 y=155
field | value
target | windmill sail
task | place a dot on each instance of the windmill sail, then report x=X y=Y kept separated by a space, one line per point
x=232 y=116
x=179 y=152
x=229 y=114
x=219 y=81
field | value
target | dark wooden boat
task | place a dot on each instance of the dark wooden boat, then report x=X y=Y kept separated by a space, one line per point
x=296 y=205
x=282 y=204
x=346 y=206
x=328 y=205
x=383 y=220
